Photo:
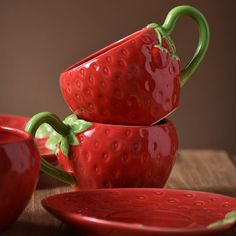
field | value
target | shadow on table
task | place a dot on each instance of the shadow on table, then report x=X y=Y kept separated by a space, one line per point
x=228 y=191
x=225 y=191
x=21 y=228
x=48 y=182
x=26 y=228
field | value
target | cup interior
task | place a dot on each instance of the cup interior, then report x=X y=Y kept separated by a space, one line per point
x=11 y=135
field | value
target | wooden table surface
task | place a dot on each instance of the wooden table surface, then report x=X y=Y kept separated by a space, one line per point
x=203 y=170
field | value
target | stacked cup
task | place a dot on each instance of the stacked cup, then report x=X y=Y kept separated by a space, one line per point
x=118 y=135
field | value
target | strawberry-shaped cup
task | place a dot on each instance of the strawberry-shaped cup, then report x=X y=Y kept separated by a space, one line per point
x=19 y=172
x=136 y=80
x=96 y=155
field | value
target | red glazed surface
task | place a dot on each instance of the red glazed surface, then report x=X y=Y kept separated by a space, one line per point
x=161 y=212
x=122 y=156
x=19 y=122
x=128 y=82
x=19 y=170
x=13 y=121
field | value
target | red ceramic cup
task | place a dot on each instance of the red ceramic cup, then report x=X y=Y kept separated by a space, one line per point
x=136 y=80
x=19 y=122
x=100 y=155
x=19 y=170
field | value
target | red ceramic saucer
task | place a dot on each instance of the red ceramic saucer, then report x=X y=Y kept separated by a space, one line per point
x=19 y=122
x=141 y=211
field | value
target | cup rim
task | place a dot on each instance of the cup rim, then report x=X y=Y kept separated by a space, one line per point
x=161 y=123
x=104 y=50
x=24 y=136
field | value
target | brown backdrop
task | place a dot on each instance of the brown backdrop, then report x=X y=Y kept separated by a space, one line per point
x=41 y=38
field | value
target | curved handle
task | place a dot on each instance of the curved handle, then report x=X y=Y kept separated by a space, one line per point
x=51 y=119
x=203 y=41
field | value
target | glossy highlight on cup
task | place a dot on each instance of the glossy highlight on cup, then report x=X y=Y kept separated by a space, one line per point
x=19 y=172
x=96 y=155
x=136 y=80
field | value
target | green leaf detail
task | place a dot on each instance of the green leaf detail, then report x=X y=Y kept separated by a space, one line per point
x=64 y=145
x=69 y=120
x=53 y=141
x=230 y=218
x=72 y=139
x=162 y=34
x=80 y=126
x=231 y=214
x=56 y=141
x=44 y=131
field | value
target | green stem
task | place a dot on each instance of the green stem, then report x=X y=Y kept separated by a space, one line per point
x=49 y=118
x=61 y=128
x=56 y=173
x=204 y=36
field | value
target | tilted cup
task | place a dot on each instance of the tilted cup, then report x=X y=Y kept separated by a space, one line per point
x=19 y=171
x=96 y=155
x=136 y=80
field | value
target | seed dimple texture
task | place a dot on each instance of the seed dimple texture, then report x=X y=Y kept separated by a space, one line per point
x=95 y=66
x=125 y=157
x=91 y=106
x=117 y=77
x=198 y=203
x=96 y=169
x=68 y=89
x=133 y=41
x=105 y=156
x=108 y=59
x=147 y=85
x=146 y=39
x=96 y=144
x=96 y=69
x=128 y=132
x=226 y=204
x=87 y=156
x=107 y=132
x=172 y=200
x=115 y=145
x=88 y=91
x=140 y=197
x=122 y=63
x=77 y=96
x=78 y=84
x=82 y=72
x=124 y=51
x=105 y=70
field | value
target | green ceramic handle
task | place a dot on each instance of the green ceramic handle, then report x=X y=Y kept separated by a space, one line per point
x=51 y=119
x=203 y=41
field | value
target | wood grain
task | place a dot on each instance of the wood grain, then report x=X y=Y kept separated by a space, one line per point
x=203 y=170
x=233 y=158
